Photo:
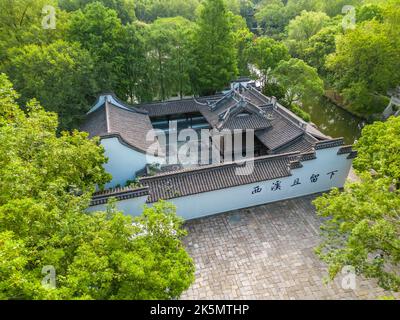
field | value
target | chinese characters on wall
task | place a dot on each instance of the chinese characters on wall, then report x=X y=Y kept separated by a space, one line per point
x=277 y=185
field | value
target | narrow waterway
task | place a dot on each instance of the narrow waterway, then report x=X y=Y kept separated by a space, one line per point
x=334 y=121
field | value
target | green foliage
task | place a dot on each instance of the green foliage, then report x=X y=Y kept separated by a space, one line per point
x=306 y=25
x=265 y=54
x=301 y=81
x=21 y=24
x=335 y=7
x=243 y=39
x=362 y=229
x=98 y=30
x=379 y=149
x=170 y=56
x=273 y=89
x=297 y=110
x=150 y=10
x=214 y=48
x=320 y=46
x=295 y=7
x=46 y=185
x=302 y=28
x=132 y=69
x=124 y=8
x=272 y=18
x=355 y=76
x=362 y=226
x=60 y=75
x=370 y=12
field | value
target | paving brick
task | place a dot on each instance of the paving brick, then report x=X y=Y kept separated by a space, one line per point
x=266 y=253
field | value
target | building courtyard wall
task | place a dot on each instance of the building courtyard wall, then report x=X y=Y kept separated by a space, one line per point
x=327 y=171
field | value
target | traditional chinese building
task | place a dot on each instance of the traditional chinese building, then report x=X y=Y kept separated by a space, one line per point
x=291 y=158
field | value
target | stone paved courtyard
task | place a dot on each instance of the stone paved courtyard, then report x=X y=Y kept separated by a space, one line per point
x=264 y=252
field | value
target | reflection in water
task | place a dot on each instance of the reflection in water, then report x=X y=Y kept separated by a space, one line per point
x=334 y=121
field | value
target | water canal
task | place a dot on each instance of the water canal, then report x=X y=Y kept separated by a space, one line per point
x=335 y=121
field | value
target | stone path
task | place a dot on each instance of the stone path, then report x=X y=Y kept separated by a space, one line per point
x=264 y=252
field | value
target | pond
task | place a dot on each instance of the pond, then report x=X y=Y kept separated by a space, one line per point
x=335 y=121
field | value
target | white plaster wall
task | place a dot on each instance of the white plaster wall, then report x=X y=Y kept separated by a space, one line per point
x=123 y=162
x=132 y=207
x=219 y=201
x=209 y=203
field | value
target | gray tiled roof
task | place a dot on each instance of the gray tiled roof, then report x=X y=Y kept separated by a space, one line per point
x=251 y=121
x=256 y=97
x=329 y=144
x=129 y=125
x=345 y=150
x=126 y=193
x=216 y=177
x=281 y=132
x=171 y=107
x=95 y=123
x=304 y=143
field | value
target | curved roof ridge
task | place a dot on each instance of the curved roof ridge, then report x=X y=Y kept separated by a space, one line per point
x=222 y=165
x=115 y=101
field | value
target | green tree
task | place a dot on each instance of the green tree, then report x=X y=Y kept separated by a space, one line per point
x=370 y=12
x=265 y=54
x=60 y=75
x=272 y=18
x=301 y=82
x=247 y=10
x=320 y=46
x=47 y=181
x=21 y=24
x=150 y=10
x=363 y=65
x=99 y=30
x=379 y=149
x=134 y=81
x=214 y=51
x=295 y=7
x=243 y=39
x=361 y=224
x=302 y=28
x=170 y=56
x=335 y=7
x=124 y=8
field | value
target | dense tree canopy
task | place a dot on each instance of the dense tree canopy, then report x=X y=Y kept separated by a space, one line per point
x=134 y=82
x=379 y=149
x=360 y=81
x=362 y=226
x=272 y=18
x=21 y=24
x=301 y=82
x=265 y=54
x=302 y=28
x=320 y=46
x=46 y=185
x=169 y=57
x=124 y=8
x=60 y=75
x=214 y=48
x=98 y=29
x=150 y=10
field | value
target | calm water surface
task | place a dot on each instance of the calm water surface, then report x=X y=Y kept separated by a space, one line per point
x=334 y=121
